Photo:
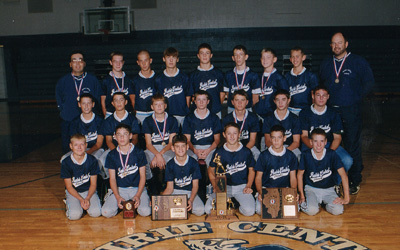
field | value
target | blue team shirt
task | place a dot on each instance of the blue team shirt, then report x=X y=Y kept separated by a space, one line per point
x=110 y=124
x=320 y=173
x=67 y=95
x=150 y=127
x=175 y=89
x=290 y=123
x=90 y=129
x=144 y=89
x=329 y=120
x=300 y=87
x=201 y=131
x=355 y=80
x=236 y=163
x=276 y=167
x=109 y=87
x=251 y=124
x=251 y=85
x=128 y=176
x=182 y=176
x=212 y=81
x=79 y=173
x=266 y=104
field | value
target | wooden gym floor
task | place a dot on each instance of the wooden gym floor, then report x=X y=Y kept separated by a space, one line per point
x=32 y=212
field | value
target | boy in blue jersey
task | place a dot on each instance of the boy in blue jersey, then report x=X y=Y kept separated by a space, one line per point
x=79 y=171
x=316 y=170
x=276 y=167
x=127 y=170
x=271 y=81
x=158 y=129
x=239 y=166
x=301 y=81
x=282 y=116
x=173 y=84
x=182 y=175
x=68 y=90
x=143 y=86
x=241 y=77
x=115 y=81
x=248 y=122
x=319 y=115
x=209 y=79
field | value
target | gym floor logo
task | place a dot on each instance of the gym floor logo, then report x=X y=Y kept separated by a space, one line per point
x=289 y=232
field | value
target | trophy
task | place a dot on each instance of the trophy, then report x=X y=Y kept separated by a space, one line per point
x=129 y=211
x=222 y=206
x=279 y=203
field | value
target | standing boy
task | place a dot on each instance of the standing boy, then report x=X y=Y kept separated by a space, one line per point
x=182 y=175
x=127 y=170
x=209 y=79
x=317 y=167
x=79 y=171
x=301 y=81
x=276 y=167
x=241 y=77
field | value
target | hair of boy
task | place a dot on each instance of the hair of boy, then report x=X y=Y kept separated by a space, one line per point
x=77 y=52
x=297 y=48
x=201 y=92
x=318 y=131
x=282 y=92
x=77 y=136
x=231 y=124
x=158 y=97
x=123 y=126
x=116 y=53
x=171 y=51
x=343 y=34
x=241 y=92
x=87 y=95
x=204 y=46
x=179 y=138
x=239 y=47
x=278 y=128
x=119 y=93
x=320 y=87
x=266 y=50
x=143 y=51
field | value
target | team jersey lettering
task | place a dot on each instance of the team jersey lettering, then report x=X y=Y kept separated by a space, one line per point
x=315 y=177
x=210 y=84
x=144 y=93
x=246 y=87
x=298 y=89
x=326 y=128
x=347 y=72
x=175 y=90
x=91 y=136
x=128 y=171
x=185 y=181
x=204 y=133
x=278 y=173
x=288 y=133
x=267 y=91
x=77 y=181
x=158 y=138
x=244 y=135
x=237 y=167
x=125 y=91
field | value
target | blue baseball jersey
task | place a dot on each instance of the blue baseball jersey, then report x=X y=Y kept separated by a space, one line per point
x=355 y=80
x=144 y=89
x=290 y=123
x=276 y=167
x=126 y=176
x=251 y=84
x=111 y=123
x=111 y=85
x=320 y=173
x=212 y=81
x=201 y=131
x=300 y=87
x=276 y=81
x=79 y=173
x=150 y=127
x=328 y=120
x=251 y=124
x=175 y=89
x=236 y=163
x=67 y=96
x=182 y=176
x=89 y=128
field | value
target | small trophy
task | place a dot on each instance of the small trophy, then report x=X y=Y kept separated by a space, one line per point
x=129 y=211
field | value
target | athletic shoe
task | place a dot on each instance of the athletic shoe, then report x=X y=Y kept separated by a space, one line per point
x=354 y=189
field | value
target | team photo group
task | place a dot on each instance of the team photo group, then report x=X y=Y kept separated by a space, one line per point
x=167 y=133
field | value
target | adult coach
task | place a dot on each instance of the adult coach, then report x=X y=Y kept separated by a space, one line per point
x=68 y=90
x=348 y=78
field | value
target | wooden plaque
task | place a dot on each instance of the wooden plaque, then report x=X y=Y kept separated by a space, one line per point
x=169 y=207
x=129 y=211
x=279 y=203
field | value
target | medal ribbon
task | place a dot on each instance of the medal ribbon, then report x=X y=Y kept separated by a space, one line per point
x=116 y=82
x=236 y=78
x=341 y=65
x=262 y=82
x=244 y=120
x=78 y=91
x=158 y=128
x=124 y=165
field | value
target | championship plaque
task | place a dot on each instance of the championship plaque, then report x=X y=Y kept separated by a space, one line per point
x=169 y=207
x=129 y=211
x=279 y=203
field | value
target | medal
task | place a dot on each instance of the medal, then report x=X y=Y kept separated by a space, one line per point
x=78 y=90
x=78 y=98
x=244 y=120
x=337 y=72
x=116 y=82
x=337 y=80
x=263 y=97
x=124 y=164
x=162 y=135
x=262 y=84
x=163 y=144
x=236 y=78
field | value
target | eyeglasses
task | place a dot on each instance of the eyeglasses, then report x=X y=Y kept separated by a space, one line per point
x=122 y=135
x=77 y=60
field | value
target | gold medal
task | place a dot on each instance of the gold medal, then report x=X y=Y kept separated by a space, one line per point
x=78 y=98
x=337 y=80
x=163 y=144
x=263 y=97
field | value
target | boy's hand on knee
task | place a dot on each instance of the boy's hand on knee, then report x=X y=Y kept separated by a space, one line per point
x=136 y=200
x=339 y=200
x=247 y=190
x=190 y=205
x=85 y=204
x=119 y=202
x=302 y=199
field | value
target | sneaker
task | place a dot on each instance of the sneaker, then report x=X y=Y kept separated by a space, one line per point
x=338 y=190
x=354 y=189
